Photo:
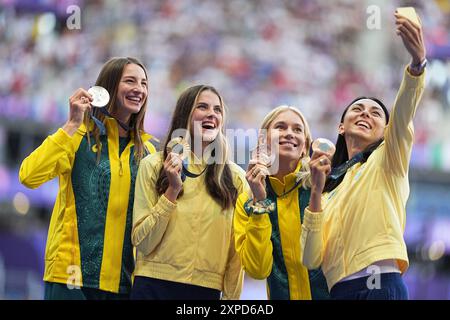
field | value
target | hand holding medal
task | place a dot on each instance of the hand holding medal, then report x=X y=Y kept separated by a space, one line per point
x=100 y=98
x=261 y=154
x=99 y=95
x=79 y=103
x=323 y=150
x=258 y=169
x=180 y=149
x=320 y=164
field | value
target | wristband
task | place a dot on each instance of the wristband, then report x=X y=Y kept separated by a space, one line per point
x=418 y=68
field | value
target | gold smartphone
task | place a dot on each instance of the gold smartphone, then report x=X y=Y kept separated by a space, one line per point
x=410 y=14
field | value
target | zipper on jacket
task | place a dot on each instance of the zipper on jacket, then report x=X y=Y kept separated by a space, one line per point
x=120 y=168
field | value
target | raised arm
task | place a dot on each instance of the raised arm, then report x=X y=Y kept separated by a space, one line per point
x=151 y=212
x=311 y=239
x=55 y=155
x=253 y=243
x=399 y=135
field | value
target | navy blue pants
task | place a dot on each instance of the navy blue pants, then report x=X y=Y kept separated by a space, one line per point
x=391 y=287
x=59 y=291
x=145 y=288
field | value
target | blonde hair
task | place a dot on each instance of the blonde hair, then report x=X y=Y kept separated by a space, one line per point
x=304 y=173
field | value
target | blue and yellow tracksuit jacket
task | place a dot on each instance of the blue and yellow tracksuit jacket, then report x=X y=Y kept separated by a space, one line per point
x=269 y=244
x=89 y=238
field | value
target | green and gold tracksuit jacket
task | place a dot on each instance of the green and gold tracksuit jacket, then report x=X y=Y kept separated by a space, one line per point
x=269 y=244
x=89 y=238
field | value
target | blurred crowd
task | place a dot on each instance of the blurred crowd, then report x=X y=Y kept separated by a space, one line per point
x=315 y=54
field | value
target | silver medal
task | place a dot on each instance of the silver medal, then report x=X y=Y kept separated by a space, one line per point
x=100 y=96
x=324 y=145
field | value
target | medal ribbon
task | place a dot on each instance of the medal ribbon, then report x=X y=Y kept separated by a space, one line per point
x=342 y=169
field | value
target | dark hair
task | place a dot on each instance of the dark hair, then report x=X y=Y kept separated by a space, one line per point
x=109 y=78
x=341 y=154
x=219 y=180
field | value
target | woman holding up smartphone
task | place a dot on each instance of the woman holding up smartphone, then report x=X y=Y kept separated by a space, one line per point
x=354 y=230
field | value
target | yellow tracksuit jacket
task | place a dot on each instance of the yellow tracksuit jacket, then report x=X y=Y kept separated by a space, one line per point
x=190 y=241
x=89 y=238
x=363 y=219
x=269 y=246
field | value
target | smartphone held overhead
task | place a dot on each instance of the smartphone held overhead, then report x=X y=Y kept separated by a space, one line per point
x=410 y=14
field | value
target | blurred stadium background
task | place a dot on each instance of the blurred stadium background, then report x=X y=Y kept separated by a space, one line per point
x=314 y=54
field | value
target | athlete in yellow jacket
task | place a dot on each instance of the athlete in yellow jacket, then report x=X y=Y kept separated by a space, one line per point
x=89 y=238
x=355 y=230
x=268 y=222
x=183 y=211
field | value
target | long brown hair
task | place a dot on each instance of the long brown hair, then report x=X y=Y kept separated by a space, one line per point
x=219 y=180
x=109 y=78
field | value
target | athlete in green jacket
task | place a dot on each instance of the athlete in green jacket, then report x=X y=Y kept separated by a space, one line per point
x=89 y=254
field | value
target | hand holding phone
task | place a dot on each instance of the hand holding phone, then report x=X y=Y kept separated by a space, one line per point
x=409 y=29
